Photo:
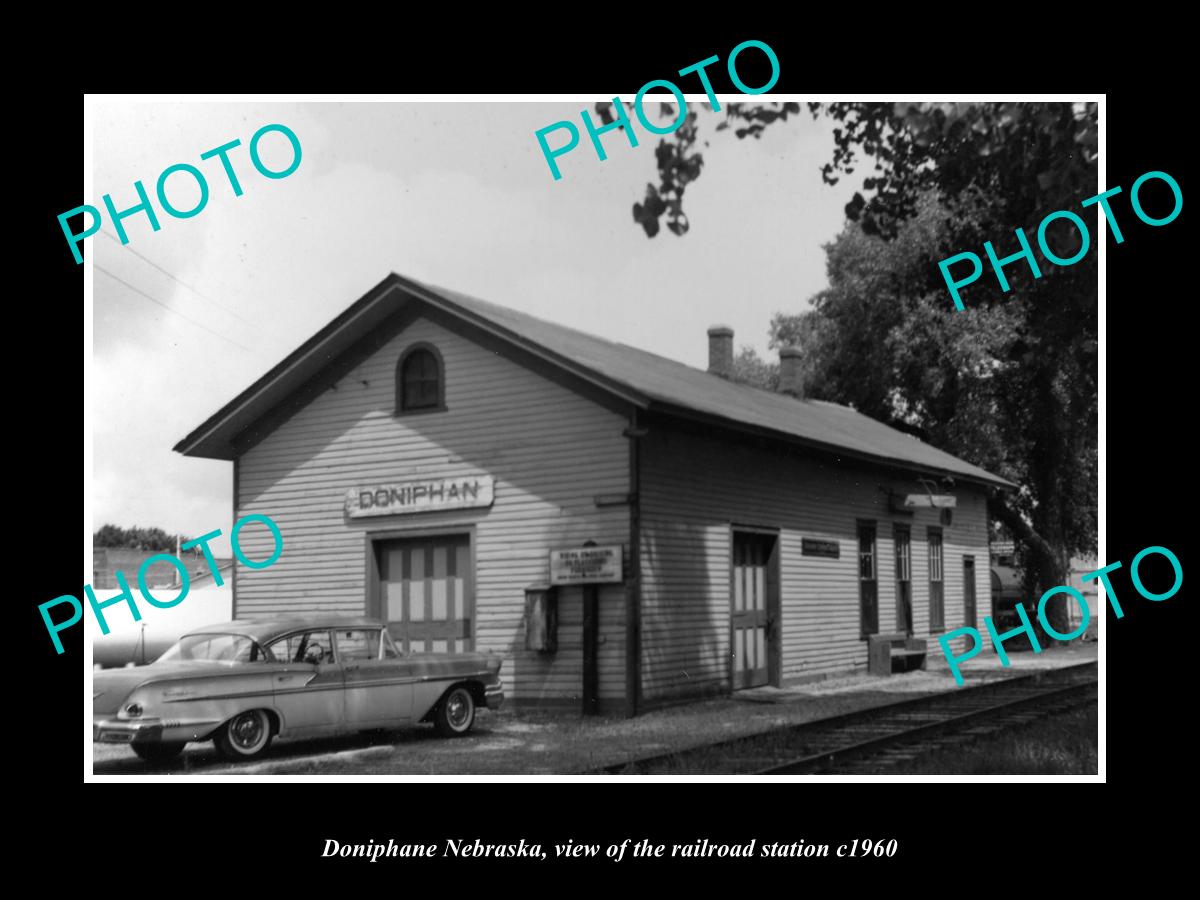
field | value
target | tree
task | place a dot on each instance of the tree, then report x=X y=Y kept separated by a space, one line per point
x=1029 y=154
x=135 y=538
x=750 y=368
x=1010 y=384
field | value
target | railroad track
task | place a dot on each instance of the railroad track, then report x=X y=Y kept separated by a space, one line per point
x=870 y=740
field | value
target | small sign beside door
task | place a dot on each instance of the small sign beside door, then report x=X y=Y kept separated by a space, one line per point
x=586 y=565
x=815 y=547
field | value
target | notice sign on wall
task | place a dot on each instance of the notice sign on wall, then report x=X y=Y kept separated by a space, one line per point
x=814 y=547
x=937 y=501
x=420 y=495
x=586 y=565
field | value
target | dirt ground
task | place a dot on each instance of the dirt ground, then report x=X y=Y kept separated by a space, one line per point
x=538 y=743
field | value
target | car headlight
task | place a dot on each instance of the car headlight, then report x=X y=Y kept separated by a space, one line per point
x=133 y=710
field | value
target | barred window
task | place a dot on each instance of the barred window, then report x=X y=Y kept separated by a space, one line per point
x=868 y=585
x=935 y=555
x=904 y=611
x=903 y=556
x=937 y=596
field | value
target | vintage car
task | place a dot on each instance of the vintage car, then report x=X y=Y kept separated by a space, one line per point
x=242 y=683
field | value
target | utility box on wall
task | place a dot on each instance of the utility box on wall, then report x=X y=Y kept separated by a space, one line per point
x=541 y=618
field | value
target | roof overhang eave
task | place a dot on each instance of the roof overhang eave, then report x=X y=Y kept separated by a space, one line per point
x=990 y=481
x=207 y=440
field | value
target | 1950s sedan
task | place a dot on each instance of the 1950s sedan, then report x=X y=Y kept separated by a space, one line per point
x=242 y=683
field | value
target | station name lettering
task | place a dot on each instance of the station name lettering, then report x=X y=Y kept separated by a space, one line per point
x=420 y=496
x=409 y=495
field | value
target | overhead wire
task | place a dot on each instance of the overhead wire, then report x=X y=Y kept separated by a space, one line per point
x=186 y=318
x=178 y=280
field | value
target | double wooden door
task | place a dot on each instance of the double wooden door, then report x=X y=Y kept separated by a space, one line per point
x=427 y=593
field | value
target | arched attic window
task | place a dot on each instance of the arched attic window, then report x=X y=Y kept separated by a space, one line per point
x=420 y=380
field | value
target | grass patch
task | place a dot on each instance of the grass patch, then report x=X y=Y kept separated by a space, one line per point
x=1066 y=745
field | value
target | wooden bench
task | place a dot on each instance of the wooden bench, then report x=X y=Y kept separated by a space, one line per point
x=889 y=653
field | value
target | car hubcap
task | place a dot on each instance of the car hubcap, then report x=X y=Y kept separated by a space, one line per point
x=457 y=710
x=247 y=730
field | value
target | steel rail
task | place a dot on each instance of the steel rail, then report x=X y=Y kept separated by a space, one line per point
x=926 y=703
x=950 y=725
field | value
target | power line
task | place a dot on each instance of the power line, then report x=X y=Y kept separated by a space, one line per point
x=151 y=262
x=176 y=312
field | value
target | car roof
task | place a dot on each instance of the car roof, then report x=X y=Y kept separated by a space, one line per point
x=266 y=629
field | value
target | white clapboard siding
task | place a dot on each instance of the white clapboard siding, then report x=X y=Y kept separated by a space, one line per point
x=550 y=451
x=694 y=488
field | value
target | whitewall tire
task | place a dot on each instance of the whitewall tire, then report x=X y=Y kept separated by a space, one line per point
x=456 y=712
x=245 y=736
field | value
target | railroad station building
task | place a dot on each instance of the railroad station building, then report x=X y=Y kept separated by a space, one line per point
x=426 y=454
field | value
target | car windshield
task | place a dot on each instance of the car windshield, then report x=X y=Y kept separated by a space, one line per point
x=226 y=648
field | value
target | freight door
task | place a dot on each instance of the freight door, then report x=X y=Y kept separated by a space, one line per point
x=754 y=603
x=427 y=593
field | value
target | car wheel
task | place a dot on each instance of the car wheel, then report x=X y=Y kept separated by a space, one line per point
x=158 y=752
x=456 y=713
x=245 y=736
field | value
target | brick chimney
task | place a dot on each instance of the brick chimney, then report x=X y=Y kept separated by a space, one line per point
x=791 y=379
x=720 y=351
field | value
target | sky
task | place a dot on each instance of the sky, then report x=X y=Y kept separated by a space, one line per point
x=456 y=195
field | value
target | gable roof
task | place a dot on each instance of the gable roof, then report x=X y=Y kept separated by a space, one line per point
x=643 y=379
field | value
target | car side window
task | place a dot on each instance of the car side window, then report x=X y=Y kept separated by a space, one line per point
x=249 y=652
x=389 y=649
x=358 y=644
x=312 y=647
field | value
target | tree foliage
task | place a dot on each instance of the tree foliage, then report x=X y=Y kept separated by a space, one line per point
x=750 y=368
x=1009 y=384
x=135 y=538
x=1031 y=155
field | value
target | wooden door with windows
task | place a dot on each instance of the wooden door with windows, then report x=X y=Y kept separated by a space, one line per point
x=427 y=593
x=754 y=609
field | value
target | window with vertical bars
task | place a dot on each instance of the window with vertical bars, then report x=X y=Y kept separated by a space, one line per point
x=903 y=556
x=937 y=600
x=904 y=611
x=868 y=583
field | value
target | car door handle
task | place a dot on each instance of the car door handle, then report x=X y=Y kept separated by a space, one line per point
x=351 y=668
